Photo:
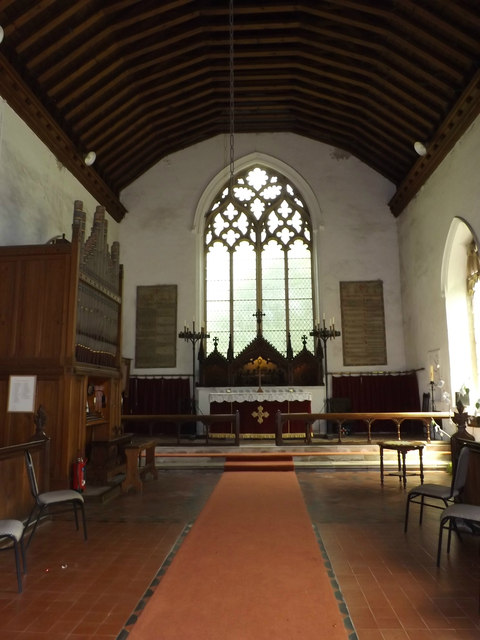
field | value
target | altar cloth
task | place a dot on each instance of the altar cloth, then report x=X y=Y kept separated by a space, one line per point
x=258 y=409
x=249 y=394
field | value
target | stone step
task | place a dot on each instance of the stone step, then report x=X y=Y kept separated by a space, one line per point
x=436 y=455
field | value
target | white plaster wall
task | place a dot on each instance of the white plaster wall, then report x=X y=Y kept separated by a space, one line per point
x=453 y=190
x=37 y=193
x=356 y=237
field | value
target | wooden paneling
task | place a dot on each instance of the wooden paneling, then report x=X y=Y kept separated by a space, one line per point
x=16 y=499
x=35 y=289
x=38 y=302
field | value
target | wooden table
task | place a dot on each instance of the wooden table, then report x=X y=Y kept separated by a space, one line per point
x=134 y=471
x=402 y=447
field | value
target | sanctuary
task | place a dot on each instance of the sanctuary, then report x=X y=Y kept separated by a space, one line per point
x=257 y=383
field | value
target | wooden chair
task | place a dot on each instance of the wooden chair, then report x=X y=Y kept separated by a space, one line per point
x=60 y=500
x=13 y=531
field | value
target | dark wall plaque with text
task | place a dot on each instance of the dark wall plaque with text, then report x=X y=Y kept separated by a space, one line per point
x=156 y=331
x=363 y=323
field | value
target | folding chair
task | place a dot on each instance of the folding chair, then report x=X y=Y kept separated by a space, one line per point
x=445 y=493
x=13 y=531
x=459 y=517
x=66 y=498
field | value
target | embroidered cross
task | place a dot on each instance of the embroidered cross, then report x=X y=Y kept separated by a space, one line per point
x=260 y=414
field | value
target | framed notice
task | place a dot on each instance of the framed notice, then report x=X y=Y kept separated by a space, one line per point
x=363 y=323
x=156 y=328
x=21 y=394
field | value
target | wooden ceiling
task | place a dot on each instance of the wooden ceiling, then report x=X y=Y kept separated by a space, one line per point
x=136 y=80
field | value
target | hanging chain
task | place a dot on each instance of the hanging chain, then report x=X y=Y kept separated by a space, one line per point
x=232 y=100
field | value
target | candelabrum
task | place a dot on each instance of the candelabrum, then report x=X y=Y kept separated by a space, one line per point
x=324 y=333
x=432 y=393
x=192 y=336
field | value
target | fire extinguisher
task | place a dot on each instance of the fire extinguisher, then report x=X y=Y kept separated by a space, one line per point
x=79 y=473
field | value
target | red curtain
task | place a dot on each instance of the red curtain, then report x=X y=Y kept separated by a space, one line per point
x=380 y=393
x=156 y=395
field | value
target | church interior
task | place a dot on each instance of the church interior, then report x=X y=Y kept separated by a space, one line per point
x=161 y=161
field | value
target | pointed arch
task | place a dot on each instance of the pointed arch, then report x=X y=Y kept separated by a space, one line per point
x=273 y=163
x=258 y=230
x=464 y=365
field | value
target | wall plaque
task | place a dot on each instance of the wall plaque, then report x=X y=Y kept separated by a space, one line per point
x=156 y=332
x=363 y=323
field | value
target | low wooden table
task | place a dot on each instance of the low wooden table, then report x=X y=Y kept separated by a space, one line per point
x=402 y=447
x=135 y=472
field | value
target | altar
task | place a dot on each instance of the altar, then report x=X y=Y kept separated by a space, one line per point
x=259 y=382
x=257 y=409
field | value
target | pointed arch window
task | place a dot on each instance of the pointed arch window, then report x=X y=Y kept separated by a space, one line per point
x=258 y=262
x=473 y=288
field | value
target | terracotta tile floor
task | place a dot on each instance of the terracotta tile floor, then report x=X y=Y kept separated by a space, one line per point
x=393 y=590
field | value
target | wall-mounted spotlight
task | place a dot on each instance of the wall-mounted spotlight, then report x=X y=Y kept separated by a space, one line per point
x=420 y=148
x=90 y=158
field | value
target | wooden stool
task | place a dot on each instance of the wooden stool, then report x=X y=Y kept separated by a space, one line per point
x=134 y=472
x=402 y=447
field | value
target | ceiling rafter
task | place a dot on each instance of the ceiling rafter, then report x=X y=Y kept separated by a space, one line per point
x=135 y=80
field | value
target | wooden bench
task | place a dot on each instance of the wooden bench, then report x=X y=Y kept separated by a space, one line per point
x=135 y=472
x=396 y=417
x=185 y=418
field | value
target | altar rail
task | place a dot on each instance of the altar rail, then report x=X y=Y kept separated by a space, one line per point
x=367 y=417
x=184 y=418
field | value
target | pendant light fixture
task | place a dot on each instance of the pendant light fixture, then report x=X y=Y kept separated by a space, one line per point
x=232 y=98
x=90 y=158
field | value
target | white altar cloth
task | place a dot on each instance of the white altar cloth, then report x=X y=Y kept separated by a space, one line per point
x=251 y=394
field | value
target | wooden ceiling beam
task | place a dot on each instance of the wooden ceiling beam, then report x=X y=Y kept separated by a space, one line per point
x=452 y=128
x=31 y=110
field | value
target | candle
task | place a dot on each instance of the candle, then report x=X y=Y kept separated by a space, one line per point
x=431 y=373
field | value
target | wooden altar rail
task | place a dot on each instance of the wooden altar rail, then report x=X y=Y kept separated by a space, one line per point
x=368 y=418
x=179 y=419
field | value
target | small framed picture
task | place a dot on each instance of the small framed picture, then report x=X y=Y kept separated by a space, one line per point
x=21 y=394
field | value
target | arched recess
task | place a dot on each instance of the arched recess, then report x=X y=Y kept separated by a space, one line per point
x=211 y=191
x=461 y=344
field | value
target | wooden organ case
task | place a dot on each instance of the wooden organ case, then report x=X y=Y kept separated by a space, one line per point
x=60 y=314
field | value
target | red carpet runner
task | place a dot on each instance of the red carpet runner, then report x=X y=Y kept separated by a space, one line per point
x=250 y=569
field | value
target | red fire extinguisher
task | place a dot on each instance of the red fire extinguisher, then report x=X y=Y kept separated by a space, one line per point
x=79 y=473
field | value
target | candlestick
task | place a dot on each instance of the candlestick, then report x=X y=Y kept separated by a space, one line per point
x=193 y=337
x=325 y=335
